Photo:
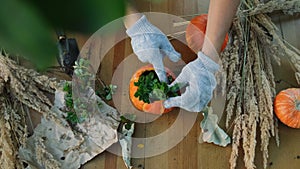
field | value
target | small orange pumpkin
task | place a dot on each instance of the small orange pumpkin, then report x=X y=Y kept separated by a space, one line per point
x=195 y=33
x=157 y=106
x=287 y=107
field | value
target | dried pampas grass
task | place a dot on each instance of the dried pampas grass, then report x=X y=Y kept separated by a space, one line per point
x=255 y=46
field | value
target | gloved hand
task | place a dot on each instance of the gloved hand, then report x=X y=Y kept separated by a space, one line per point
x=151 y=45
x=199 y=74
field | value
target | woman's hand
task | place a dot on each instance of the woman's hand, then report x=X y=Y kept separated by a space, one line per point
x=199 y=74
x=151 y=45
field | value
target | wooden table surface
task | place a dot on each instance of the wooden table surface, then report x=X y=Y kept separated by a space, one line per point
x=189 y=153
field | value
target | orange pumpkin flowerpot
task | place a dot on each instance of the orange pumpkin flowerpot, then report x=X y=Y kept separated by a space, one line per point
x=195 y=33
x=155 y=107
x=287 y=107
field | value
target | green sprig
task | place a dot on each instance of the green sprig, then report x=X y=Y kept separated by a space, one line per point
x=151 y=89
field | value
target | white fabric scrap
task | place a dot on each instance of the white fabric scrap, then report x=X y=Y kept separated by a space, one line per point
x=60 y=101
x=211 y=132
x=126 y=143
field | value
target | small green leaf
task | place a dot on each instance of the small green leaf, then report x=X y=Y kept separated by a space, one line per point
x=72 y=117
x=128 y=126
x=67 y=87
x=123 y=119
x=130 y=117
x=151 y=89
x=107 y=92
x=108 y=97
x=99 y=104
x=113 y=88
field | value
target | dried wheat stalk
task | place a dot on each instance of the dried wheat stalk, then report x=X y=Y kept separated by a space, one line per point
x=232 y=59
x=19 y=88
x=13 y=133
x=26 y=85
x=53 y=138
x=287 y=6
x=251 y=85
x=236 y=137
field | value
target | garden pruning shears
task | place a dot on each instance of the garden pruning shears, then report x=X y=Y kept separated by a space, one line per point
x=68 y=52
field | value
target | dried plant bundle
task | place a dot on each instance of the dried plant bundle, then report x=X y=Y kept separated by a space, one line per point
x=20 y=88
x=26 y=85
x=23 y=88
x=255 y=46
x=13 y=133
x=287 y=6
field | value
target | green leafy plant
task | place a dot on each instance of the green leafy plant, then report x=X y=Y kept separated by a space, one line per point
x=84 y=83
x=71 y=115
x=77 y=109
x=151 y=89
x=84 y=79
x=82 y=72
x=127 y=120
x=107 y=91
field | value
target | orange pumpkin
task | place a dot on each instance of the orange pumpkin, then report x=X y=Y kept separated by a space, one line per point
x=287 y=107
x=157 y=106
x=195 y=33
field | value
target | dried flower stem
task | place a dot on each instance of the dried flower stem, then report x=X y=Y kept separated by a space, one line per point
x=287 y=6
x=251 y=84
x=26 y=85
x=19 y=87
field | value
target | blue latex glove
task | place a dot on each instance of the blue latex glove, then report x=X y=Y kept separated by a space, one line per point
x=199 y=74
x=151 y=45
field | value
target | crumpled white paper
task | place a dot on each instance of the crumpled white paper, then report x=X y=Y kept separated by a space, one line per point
x=55 y=145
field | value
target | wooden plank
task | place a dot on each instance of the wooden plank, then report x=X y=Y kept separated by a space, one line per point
x=211 y=156
x=152 y=129
x=120 y=163
x=203 y=6
x=97 y=163
x=189 y=153
x=290 y=29
x=110 y=161
x=175 y=158
x=190 y=7
x=142 y=5
x=280 y=77
x=175 y=7
x=175 y=155
x=288 y=26
x=159 y=6
x=287 y=155
x=160 y=124
x=114 y=56
x=105 y=68
x=119 y=54
x=131 y=64
x=288 y=151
